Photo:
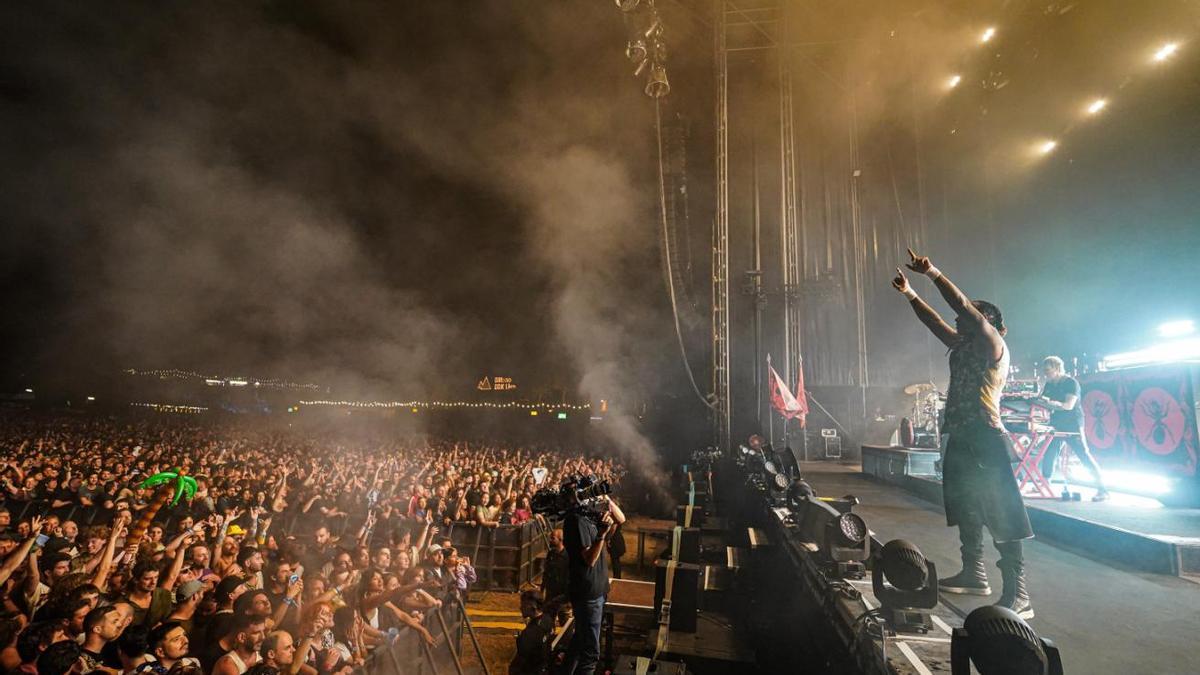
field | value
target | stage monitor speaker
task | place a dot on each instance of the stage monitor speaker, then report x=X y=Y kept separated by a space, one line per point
x=697 y=515
x=685 y=594
x=626 y=664
x=689 y=545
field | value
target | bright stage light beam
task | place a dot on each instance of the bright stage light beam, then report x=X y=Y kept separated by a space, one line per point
x=1047 y=147
x=988 y=34
x=1096 y=106
x=1164 y=52
x=1137 y=482
x=1173 y=329
x=1167 y=352
x=953 y=81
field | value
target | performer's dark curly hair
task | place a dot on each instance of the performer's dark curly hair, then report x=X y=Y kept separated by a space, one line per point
x=992 y=313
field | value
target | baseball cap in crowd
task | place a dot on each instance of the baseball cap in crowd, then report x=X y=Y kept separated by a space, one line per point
x=187 y=590
x=227 y=586
x=235 y=530
x=433 y=548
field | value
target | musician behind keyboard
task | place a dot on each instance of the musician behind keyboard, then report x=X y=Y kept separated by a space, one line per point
x=1061 y=394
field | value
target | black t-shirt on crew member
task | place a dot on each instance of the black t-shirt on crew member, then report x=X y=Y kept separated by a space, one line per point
x=1059 y=390
x=583 y=582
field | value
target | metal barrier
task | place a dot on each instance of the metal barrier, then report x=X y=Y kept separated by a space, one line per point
x=409 y=654
x=504 y=556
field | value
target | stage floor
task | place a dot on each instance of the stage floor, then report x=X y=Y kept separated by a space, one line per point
x=1136 y=514
x=1104 y=619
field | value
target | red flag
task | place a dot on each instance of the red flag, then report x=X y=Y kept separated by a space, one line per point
x=782 y=398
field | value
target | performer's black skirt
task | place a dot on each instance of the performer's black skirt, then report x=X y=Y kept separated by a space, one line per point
x=978 y=483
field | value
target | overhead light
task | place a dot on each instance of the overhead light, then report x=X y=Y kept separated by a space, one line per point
x=1096 y=106
x=1179 y=328
x=657 y=85
x=28 y=391
x=988 y=34
x=1046 y=147
x=91 y=398
x=953 y=81
x=1164 y=52
x=635 y=50
x=996 y=640
x=1166 y=352
x=628 y=5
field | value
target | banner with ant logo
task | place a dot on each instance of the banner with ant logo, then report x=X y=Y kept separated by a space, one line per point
x=1142 y=418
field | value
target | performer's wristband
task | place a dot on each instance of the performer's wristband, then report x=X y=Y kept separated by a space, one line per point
x=933 y=273
x=910 y=294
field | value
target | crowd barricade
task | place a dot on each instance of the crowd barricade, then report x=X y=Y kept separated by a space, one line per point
x=505 y=557
x=409 y=654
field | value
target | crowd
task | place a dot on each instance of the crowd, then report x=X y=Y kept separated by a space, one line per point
x=296 y=552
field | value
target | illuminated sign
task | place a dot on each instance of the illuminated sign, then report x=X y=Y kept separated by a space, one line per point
x=496 y=383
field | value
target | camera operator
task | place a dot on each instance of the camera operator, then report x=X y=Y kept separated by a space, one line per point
x=587 y=581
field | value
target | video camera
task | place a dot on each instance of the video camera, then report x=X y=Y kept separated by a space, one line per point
x=575 y=493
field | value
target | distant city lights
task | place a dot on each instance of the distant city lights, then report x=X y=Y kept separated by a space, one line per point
x=988 y=34
x=1096 y=106
x=1173 y=329
x=953 y=81
x=1164 y=52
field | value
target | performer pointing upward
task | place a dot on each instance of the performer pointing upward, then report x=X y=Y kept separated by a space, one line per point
x=979 y=487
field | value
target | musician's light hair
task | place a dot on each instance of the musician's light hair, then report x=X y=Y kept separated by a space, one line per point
x=1056 y=362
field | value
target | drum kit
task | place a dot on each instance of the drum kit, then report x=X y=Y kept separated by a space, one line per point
x=922 y=428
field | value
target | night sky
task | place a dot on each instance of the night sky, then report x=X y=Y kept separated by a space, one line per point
x=397 y=198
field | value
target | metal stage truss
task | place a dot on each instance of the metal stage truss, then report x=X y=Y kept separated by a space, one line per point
x=744 y=26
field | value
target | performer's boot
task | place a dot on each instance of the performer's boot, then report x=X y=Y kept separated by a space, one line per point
x=972 y=580
x=1015 y=595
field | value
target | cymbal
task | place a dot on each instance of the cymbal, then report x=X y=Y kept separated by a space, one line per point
x=919 y=388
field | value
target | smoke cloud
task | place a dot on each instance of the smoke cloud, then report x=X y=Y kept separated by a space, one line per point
x=379 y=197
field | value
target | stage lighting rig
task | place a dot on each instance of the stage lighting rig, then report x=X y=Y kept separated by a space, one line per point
x=911 y=586
x=999 y=642
x=840 y=537
x=645 y=47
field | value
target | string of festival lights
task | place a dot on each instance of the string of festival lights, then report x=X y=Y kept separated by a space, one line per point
x=447 y=404
x=171 y=408
x=1092 y=107
x=218 y=380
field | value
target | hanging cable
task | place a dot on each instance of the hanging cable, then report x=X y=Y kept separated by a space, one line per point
x=662 y=206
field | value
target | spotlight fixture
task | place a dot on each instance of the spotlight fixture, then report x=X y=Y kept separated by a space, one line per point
x=841 y=538
x=911 y=589
x=628 y=5
x=1096 y=106
x=635 y=50
x=780 y=482
x=797 y=492
x=657 y=85
x=988 y=34
x=953 y=81
x=654 y=29
x=999 y=642
x=1046 y=147
x=1164 y=52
